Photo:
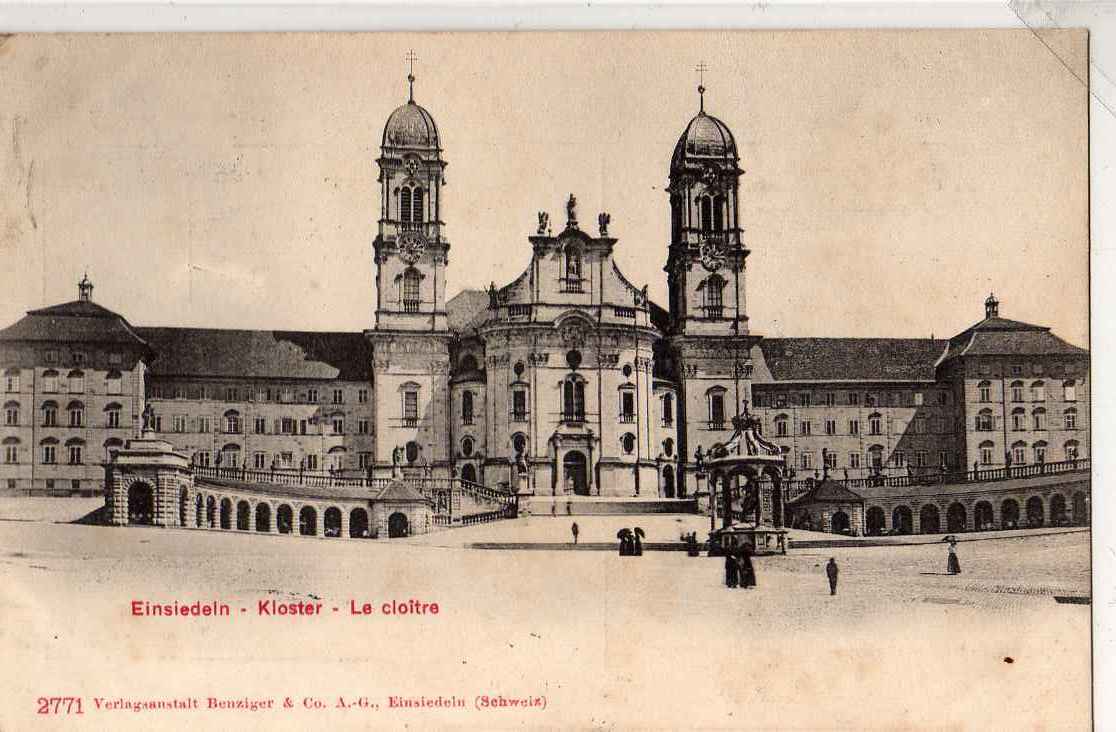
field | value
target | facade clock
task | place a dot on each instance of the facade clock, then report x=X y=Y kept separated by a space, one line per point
x=712 y=253
x=412 y=245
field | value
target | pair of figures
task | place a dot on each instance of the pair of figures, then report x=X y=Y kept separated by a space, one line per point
x=631 y=542
x=739 y=571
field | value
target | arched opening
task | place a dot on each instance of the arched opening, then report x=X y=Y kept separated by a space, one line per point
x=902 y=521
x=929 y=519
x=1058 y=514
x=874 y=521
x=982 y=516
x=358 y=524
x=211 y=512
x=411 y=452
x=1036 y=516
x=574 y=472
x=226 y=513
x=1080 y=509
x=199 y=511
x=840 y=523
x=308 y=521
x=468 y=473
x=1009 y=514
x=243 y=516
x=141 y=504
x=398 y=526
x=332 y=520
x=263 y=517
x=668 y=481
x=183 y=508
x=956 y=518
x=573 y=400
x=284 y=519
x=467 y=408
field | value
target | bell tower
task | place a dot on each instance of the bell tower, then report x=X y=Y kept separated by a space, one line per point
x=410 y=249
x=709 y=340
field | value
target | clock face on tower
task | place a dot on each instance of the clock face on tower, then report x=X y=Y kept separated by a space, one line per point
x=712 y=254
x=411 y=246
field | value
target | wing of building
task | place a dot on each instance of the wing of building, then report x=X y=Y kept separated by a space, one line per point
x=567 y=381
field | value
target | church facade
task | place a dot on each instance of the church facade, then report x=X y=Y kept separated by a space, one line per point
x=567 y=381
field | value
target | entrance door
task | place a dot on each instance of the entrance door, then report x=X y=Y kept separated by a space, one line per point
x=575 y=474
x=397 y=525
x=141 y=504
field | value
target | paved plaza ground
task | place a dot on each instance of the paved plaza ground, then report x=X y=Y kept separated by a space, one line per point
x=650 y=642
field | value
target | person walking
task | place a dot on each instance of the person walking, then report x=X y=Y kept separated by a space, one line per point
x=732 y=574
x=831 y=572
x=747 y=571
x=953 y=565
x=574 y=530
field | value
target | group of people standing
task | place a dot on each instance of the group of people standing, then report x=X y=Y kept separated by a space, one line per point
x=739 y=571
x=631 y=542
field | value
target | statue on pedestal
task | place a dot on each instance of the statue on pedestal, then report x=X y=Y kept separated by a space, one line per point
x=397 y=462
x=148 y=419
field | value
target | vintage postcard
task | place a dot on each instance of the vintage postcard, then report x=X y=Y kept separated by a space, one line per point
x=633 y=380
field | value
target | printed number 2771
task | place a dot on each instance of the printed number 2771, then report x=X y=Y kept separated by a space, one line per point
x=59 y=705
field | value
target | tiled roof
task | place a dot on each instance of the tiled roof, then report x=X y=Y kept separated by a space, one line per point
x=79 y=321
x=852 y=359
x=1002 y=337
x=397 y=490
x=829 y=491
x=259 y=353
x=467 y=310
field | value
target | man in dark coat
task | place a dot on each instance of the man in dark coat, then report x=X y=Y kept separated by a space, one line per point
x=747 y=571
x=574 y=530
x=831 y=572
x=731 y=570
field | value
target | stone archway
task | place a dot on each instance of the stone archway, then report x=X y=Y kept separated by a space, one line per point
x=957 y=519
x=226 y=513
x=839 y=522
x=1059 y=516
x=469 y=473
x=983 y=519
x=199 y=511
x=358 y=524
x=332 y=522
x=263 y=517
x=211 y=512
x=398 y=526
x=243 y=516
x=1009 y=514
x=668 y=481
x=141 y=504
x=874 y=521
x=308 y=521
x=929 y=519
x=1080 y=508
x=902 y=520
x=575 y=473
x=284 y=519
x=1036 y=516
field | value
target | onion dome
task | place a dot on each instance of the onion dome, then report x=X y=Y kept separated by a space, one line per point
x=411 y=126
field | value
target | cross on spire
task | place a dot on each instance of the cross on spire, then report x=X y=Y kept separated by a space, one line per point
x=410 y=58
x=701 y=68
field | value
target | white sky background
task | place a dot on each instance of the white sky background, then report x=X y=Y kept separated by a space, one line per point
x=893 y=178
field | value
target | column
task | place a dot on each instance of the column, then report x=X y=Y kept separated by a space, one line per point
x=344 y=522
x=319 y=517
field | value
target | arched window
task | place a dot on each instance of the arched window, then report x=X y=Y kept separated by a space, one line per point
x=76 y=381
x=712 y=291
x=1017 y=391
x=628 y=443
x=50 y=414
x=1070 y=418
x=50 y=381
x=49 y=448
x=718 y=213
x=410 y=394
x=467 y=408
x=627 y=403
x=11 y=414
x=11 y=380
x=1019 y=453
x=112 y=415
x=232 y=422
x=77 y=413
x=74 y=447
x=412 y=281
x=984 y=421
x=418 y=210
x=405 y=204
x=11 y=450
x=113 y=444
x=984 y=389
x=668 y=410
x=1071 y=449
x=337 y=457
x=987 y=450
x=875 y=423
x=715 y=401
x=1069 y=390
x=1038 y=419
x=573 y=399
x=467 y=447
x=705 y=207
x=668 y=447
x=1039 y=449
x=781 y=428
x=113 y=381
x=1019 y=419
x=1038 y=392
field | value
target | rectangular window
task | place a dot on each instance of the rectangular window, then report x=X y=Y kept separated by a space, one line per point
x=717 y=411
x=338 y=426
x=781 y=400
x=362 y=426
x=11 y=416
x=830 y=426
x=312 y=396
x=311 y=462
x=806 y=461
x=11 y=382
x=1071 y=420
x=338 y=396
x=1069 y=391
x=781 y=428
x=830 y=399
x=75 y=454
x=854 y=398
x=854 y=426
x=854 y=459
x=804 y=427
x=364 y=459
x=116 y=358
x=302 y=426
x=410 y=408
x=668 y=410
x=49 y=455
x=259 y=460
x=918 y=398
x=76 y=417
x=260 y=425
x=627 y=406
x=288 y=426
x=230 y=394
x=920 y=425
x=203 y=424
x=943 y=398
x=79 y=358
x=50 y=383
x=898 y=458
x=895 y=399
x=830 y=459
x=804 y=399
x=286 y=396
x=943 y=459
x=232 y=425
x=875 y=425
x=179 y=423
x=869 y=400
x=362 y=396
x=113 y=418
x=11 y=454
x=920 y=459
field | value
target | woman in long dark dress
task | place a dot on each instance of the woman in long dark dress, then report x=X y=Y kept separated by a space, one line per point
x=953 y=566
x=731 y=573
x=747 y=571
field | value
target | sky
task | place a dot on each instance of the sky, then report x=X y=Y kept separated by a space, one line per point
x=892 y=179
